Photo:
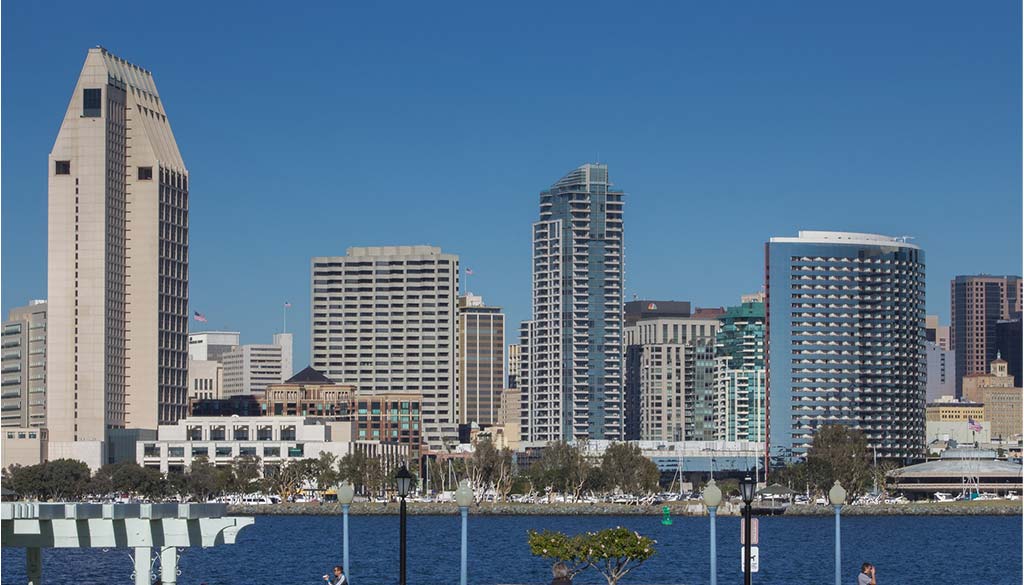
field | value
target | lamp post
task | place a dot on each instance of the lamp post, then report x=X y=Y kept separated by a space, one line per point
x=346 y=493
x=712 y=498
x=403 y=480
x=463 y=497
x=747 y=487
x=837 y=496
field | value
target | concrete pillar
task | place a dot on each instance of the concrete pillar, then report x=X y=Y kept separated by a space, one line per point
x=168 y=565
x=143 y=564
x=34 y=565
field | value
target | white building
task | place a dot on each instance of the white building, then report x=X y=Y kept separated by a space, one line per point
x=117 y=269
x=205 y=379
x=385 y=320
x=23 y=369
x=941 y=371
x=248 y=369
x=212 y=345
x=273 y=439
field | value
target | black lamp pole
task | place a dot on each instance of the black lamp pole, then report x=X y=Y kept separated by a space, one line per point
x=747 y=487
x=404 y=481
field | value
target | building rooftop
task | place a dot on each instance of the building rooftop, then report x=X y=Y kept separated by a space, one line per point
x=309 y=376
x=857 y=238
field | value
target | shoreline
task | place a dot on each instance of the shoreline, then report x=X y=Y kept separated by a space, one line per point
x=985 y=508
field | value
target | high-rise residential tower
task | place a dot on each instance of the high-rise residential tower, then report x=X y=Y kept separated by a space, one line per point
x=24 y=366
x=481 y=360
x=385 y=319
x=117 y=263
x=575 y=386
x=977 y=303
x=845 y=341
x=740 y=374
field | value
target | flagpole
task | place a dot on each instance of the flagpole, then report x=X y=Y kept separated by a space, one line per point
x=284 y=318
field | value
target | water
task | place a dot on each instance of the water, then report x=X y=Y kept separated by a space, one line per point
x=299 y=549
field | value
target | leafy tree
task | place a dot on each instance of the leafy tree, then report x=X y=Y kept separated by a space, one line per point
x=245 y=474
x=204 y=479
x=562 y=467
x=353 y=468
x=624 y=467
x=325 y=472
x=614 y=552
x=839 y=453
x=490 y=468
x=64 y=479
x=26 y=481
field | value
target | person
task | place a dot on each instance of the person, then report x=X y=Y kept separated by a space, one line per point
x=867 y=575
x=338 y=579
x=561 y=572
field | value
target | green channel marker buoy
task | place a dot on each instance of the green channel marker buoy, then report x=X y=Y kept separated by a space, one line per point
x=666 y=519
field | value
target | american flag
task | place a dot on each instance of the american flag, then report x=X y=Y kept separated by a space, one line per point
x=287 y=305
x=199 y=317
x=469 y=272
x=973 y=425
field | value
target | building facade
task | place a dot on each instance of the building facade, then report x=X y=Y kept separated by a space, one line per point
x=740 y=374
x=576 y=378
x=1008 y=346
x=936 y=333
x=513 y=364
x=212 y=345
x=23 y=367
x=845 y=323
x=940 y=365
x=977 y=303
x=386 y=319
x=118 y=224
x=310 y=393
x=481 y=361
x=250 y=368
x=205 y=380
x=389 y=418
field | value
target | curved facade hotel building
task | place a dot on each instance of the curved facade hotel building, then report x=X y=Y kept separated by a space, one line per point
x=845 y=341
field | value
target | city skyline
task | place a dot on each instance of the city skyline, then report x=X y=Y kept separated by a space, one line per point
x=954 y=140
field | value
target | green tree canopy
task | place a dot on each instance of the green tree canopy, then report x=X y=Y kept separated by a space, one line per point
x=613 y=552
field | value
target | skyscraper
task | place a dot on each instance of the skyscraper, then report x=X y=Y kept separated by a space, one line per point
x=385 y=319
x=117 y=263
x=24 y=366
x=845 y=341
x=977 y=303
x=575 y=385
x=481 y=360
x=740 y=374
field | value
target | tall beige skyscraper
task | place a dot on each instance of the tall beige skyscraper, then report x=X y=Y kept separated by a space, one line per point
x=118 y=263
x=481 y=360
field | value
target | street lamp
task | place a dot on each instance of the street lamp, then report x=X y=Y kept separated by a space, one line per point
x=463 y=497
x=403 y=479
x=346 y=493
x=712 y=498
x=837 y=496
x=747 y=488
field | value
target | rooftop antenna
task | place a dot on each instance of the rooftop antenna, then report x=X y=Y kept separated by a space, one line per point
x=904 y=238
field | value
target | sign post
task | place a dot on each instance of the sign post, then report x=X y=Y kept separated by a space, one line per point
x=755 y=560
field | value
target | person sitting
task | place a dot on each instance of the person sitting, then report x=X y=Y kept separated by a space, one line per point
x=561 y=572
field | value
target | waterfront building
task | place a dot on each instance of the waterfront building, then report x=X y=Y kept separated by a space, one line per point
x=940 y=377
x=237 y=405
x=250 y=368
x=212 y=345
x=509 y=414
x=385 y=320
x=950 y=409
x=481 y=360
x=1009 y=346
x=936 y=333
x=957 y=471
x=23 y=367
x=275 y=440
x=117 y=293
x=698 y=457
x=513 y=364
x=998 y=376
x=670 y=378
x=740 y=374
x=942 y=433
x=312 y=394
x=845 y=324
x=390 y=418
x=1001 y=397
x=24 y=446
x=576 y=379
x=977 y=303
x=523 y=379
x=205 y=379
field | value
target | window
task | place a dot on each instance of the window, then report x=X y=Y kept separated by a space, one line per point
x=62 y=167
x=92 y=103
x=145 y=173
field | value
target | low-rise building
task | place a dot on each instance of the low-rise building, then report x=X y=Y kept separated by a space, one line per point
x=205 y=379
x=959 y=432
x=391 y=418
x=24 y=446
x=309 y=393
x=957 y=471
x=949 y=409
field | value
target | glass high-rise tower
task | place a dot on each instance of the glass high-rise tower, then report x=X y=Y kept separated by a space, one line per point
x=575 y=387
x=845 y=319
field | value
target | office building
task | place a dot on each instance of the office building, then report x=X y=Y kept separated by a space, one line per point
x=576 y=376
x=740 y=374
x=950 y=409
x=385 y=319
x=636 y=310
x=237 y=405
x=1008 y=346
x=977 y=304
x=23 y=367
x=481 y=360
x=212 y=345
x=205 y=380
x=523 y=379
x=250 y=368
x=117 y=270
x=1001 y=399
x=513 y=364
x=998 y=376
x=845 y=323
x=312 y=394
x=670 y=389
x=940 y=362
x=391 y=418
x=936 y=333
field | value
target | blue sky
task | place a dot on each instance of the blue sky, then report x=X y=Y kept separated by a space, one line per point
x=311 y=127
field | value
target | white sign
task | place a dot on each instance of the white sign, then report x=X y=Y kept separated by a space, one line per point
x=755 y=561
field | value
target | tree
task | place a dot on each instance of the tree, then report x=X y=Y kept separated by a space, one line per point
x=613 y=552
x=26 y=481
x=64 y=479
x=624 y=467
x=204 y=479
x=324 y=470
x=839 y=453
x=563 y=468
x=353 y=468
x=490 y=468
x=245 y=474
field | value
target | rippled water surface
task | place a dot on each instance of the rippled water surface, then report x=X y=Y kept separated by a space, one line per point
x=300 y=549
